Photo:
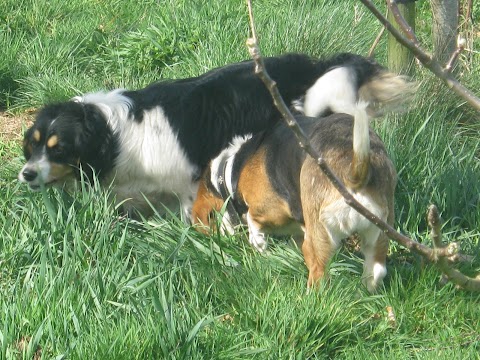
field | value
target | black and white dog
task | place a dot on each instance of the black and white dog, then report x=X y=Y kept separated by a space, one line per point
x=153 y=143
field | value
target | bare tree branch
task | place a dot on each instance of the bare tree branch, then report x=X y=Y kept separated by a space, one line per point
x=452 y=274
x=375 y=42
x=406 y=28
x=438 y=255
x=426 y=59
x=453 y=58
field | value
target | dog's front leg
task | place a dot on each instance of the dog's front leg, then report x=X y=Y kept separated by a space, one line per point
x=187 y=200
x=255 y=236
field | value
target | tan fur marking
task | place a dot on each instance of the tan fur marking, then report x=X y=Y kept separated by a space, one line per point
x=205 y=204
x=267 y=209
x=52 y=141
x=317 y=251
x=359 y=170
x=60 y=171
x=37 y=136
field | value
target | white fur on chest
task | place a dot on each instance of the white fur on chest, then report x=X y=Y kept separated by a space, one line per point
x=220 y=177
x=151 y=160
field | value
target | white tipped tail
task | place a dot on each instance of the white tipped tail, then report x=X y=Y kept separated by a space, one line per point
x=387 y=92
x=336 y=92
x=359 y=168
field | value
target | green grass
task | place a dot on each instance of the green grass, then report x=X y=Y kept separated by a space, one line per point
x=77 y=281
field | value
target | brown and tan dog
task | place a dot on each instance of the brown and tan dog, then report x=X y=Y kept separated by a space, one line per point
x=276 y=188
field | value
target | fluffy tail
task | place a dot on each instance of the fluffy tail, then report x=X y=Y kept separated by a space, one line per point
x=387 y=92
x=360 y=166
x=349 y=78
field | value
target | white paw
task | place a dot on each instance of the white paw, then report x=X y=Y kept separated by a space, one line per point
x=258 y=241
x=373 y=278
x=256 y=238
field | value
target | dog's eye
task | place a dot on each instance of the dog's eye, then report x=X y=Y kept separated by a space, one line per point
x=27 y=149
x=56 y=150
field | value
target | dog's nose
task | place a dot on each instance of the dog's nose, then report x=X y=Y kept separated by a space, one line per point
x=29 y=174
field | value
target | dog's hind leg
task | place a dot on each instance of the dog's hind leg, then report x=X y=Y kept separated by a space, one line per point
x=321 y=237
x=318 y=248
x=374 y=246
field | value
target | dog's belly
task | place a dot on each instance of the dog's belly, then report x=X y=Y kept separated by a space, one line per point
x=342 y=220
x=292 y=228
x=148 y=196
x=147 y=204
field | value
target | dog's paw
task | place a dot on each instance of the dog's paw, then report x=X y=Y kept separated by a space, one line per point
x=255 y=237
x=373 y=278
x=258 y=242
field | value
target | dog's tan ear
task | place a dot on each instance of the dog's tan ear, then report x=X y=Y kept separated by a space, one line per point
x=204 y=206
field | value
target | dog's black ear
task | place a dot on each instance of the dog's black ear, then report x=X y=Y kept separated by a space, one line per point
x=96 y=142
x=27 y=145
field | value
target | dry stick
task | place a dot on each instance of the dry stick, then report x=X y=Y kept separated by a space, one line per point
x=377 y=39
x=431 y=254
x=456 y=53
x=426 y=59
x=454 y=275
x=400 y=20
x=375 y=42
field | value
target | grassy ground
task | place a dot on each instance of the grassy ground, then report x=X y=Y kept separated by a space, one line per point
x=77 y=281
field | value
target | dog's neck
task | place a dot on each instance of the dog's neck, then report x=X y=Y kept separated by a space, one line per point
x=222 y=166
x=223 y=181
x=99 y=143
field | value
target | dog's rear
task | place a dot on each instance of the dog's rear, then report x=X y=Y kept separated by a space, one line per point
x=369 y=174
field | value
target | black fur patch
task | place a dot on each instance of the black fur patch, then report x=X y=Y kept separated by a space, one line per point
x=85 y=141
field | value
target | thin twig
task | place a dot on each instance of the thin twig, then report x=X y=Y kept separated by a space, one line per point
x=376 y=41
x=433 y=219
x=451 y=62
x=409 y=32
x=452 y=274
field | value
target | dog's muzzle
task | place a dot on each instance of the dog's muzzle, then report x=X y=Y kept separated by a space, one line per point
x=36 y=172
x=28 y=175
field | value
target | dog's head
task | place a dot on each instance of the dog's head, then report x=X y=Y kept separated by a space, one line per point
x=59 y=141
